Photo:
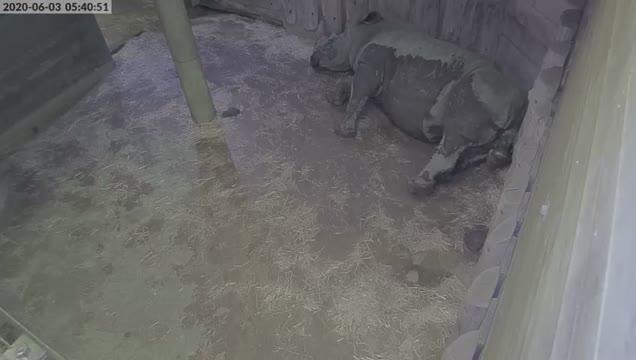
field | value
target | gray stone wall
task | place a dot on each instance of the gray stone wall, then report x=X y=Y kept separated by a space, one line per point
x=42 y=56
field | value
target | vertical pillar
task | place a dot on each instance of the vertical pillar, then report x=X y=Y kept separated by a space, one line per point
x=178 y=32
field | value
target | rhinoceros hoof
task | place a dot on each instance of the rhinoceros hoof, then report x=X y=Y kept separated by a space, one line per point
x=421 y=187
x=345 y=131
x=498 y=159
x=337 y=98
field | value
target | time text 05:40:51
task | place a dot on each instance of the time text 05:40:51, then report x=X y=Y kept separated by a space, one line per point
x=55 y=7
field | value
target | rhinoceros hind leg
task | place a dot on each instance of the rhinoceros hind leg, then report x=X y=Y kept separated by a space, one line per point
x=433 y=133
x=441 y=166
x=501 y=153
x=498 y=159
x=472 y=156
x=421 y=186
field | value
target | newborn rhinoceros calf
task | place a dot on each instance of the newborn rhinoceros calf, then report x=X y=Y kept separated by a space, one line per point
x=430 y=89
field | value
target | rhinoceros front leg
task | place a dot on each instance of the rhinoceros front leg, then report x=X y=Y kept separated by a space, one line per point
x=340 y=95
x=347 y=126
x=366 y=82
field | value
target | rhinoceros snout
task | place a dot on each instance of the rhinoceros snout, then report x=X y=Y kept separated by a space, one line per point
x=314 y=61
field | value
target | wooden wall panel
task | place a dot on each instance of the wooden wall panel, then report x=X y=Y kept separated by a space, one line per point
x=426 y=14
x=333 y=15
x=309 y=14
x=356 y=10
x=479 y=25
x=400 y=9
x=470 y=23
x=382 y=6
x=492 y=26
x=290 y=11
x=270 y=10
x=452 y=23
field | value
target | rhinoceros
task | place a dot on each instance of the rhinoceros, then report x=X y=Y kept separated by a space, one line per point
x=432 y=90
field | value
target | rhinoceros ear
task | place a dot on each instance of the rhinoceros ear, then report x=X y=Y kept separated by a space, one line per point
x=373 y=18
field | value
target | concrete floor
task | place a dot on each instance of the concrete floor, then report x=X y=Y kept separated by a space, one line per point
x=127 y=240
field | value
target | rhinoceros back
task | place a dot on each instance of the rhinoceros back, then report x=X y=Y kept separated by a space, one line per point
x=425 y=67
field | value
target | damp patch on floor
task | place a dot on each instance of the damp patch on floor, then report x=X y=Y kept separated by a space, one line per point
x=126 y=239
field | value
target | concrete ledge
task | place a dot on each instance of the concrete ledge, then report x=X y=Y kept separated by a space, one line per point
x=29 y=126
x=463 y=348
x=478 y=299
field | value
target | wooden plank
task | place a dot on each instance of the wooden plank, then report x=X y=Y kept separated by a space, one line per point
x=492 y=26
x=333 y=15
x=453 y=21
x=381 y=6
x=474 y=24
x=356 y=10
x=470 y=24
x=289 y=11
x=482 y=21
x=309 y=14
x=268 y=10
x=399 y=9
x=426 y=16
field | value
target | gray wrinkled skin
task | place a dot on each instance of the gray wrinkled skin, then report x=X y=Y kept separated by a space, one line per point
x=430 y=89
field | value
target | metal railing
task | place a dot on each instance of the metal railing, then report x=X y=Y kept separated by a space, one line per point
x=25 y=345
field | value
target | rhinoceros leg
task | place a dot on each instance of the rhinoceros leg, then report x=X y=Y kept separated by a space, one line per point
x=442 y=164
x=472 y=156
x=433 y=130
x=501 y=153
x=367 y=83
x=340 y=95
x=468 y=134
x=347 y=126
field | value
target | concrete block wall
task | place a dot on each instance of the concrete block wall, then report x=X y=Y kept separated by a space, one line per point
x=42 y=57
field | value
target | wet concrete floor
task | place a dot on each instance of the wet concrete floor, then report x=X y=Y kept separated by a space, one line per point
x=123 y=238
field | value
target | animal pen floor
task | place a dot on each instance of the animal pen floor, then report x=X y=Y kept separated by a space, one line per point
x=124 y=239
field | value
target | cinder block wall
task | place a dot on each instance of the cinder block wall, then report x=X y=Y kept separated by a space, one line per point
x=43 y=58
x=515 y=33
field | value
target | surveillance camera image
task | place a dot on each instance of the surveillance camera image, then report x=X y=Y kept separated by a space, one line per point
x=316 y=179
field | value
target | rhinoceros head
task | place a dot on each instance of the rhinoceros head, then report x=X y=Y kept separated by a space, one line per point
x=333 y=52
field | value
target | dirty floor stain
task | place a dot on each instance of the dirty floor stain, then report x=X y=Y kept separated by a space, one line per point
x=123 y=238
